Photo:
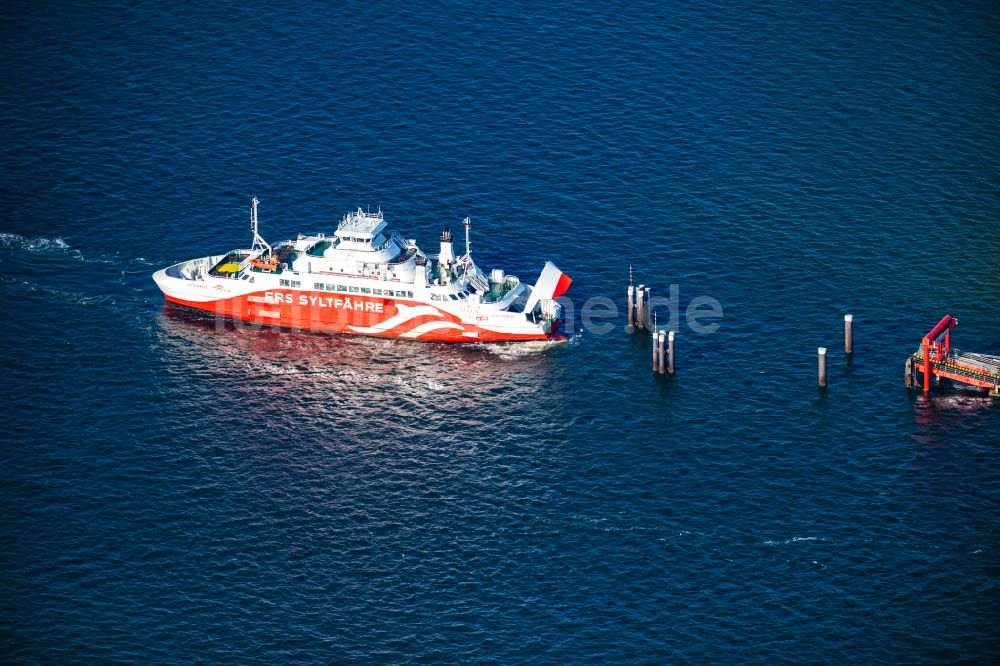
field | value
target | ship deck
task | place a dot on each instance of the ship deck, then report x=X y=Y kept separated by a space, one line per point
x=229 y=265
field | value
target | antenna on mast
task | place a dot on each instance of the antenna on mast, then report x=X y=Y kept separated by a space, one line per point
x=468 y=251
x=258 y=242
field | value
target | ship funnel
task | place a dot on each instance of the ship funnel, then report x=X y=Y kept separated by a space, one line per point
x=447 y=252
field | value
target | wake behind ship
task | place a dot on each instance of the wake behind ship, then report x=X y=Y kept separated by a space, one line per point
x=368 y=280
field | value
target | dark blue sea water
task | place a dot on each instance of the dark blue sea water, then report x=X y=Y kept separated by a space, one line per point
x=176 y=489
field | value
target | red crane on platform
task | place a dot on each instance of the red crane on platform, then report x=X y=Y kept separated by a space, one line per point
x=936 y=357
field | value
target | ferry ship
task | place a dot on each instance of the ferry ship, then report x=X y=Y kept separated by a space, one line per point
x=366 y=279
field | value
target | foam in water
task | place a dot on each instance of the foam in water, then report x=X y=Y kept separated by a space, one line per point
x=64 y=295
x=526 y=348
x=18 y=242
x=59 y=247
x=791 y=541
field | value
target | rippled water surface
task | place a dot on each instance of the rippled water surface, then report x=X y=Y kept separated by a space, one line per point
x=178 y=489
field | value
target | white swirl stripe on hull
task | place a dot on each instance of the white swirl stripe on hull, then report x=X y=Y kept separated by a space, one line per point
x=404 y=313
x=429 y=326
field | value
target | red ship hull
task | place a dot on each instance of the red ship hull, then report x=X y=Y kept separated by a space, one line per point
x=357 y=315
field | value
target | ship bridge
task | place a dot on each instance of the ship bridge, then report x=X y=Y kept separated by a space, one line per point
x=361 y=227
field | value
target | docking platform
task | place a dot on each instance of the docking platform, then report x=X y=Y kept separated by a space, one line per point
x=936 y=357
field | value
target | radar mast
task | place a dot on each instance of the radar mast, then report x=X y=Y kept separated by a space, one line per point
x=259 y=244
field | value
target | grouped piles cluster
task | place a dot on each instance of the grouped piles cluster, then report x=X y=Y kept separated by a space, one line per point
x=640 y=316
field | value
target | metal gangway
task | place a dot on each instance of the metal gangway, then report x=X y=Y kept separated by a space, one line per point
x=935 y=357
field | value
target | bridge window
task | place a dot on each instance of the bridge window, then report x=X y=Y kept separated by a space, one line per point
x=435 y=297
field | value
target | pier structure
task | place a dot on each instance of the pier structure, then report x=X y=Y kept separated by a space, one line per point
x=935 y=357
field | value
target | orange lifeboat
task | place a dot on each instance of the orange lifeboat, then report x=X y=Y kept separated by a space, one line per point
x=268 y=265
